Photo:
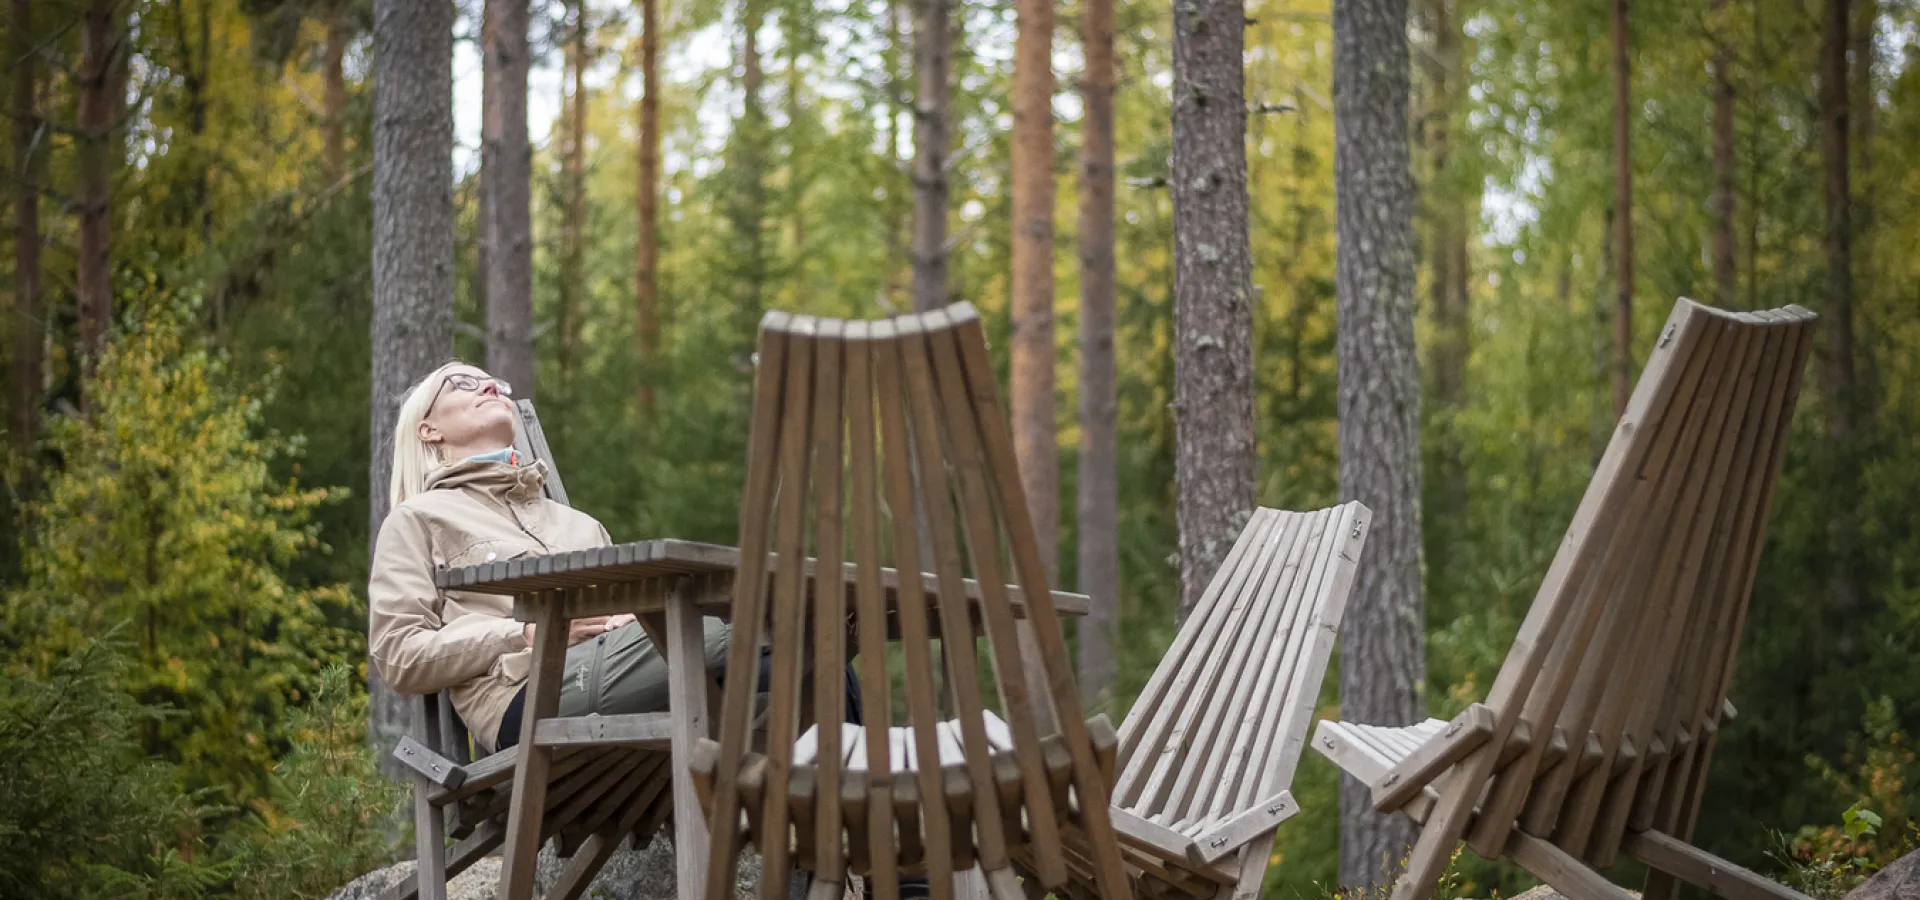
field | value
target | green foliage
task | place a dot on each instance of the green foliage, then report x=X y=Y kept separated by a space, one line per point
x=88 y=813
x=1826 y=860
x=331 y=810
x=165 y=515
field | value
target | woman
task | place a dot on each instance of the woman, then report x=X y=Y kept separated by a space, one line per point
x=460 y=497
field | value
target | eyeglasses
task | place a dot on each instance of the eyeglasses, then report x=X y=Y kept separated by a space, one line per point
x=465 y=382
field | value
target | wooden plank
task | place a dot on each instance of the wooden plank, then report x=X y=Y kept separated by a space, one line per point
x=1144 y=771
x=789 y=613
x=1566 y=874
x=536 y=437
x=1703 y=869
x=1298 y=704
x=1679 y=820
x=1545 y=617
x=1698 y=510
x=1089 y=784
x=1294 y=688
x=651 y=731
x=749 y=606
x=830 y=603
x=1166 y=784
x=429 y=821
x=898 y=472
x=594 y=854
x=1166 y=689
x=436 y=769
x=593 y=786
x=1027 y=711
x=1224 y=734
x=1466 y=733
x=1647 y=596
x=1652 y=719
x=1571 y=695
x=528 y=803
x=1231 y=835
x=691 y=692
x=870 y=602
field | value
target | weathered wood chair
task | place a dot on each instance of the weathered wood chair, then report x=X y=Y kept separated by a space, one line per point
x=861 y=435
x=596 y=796
x=1210 y=747
x=1597 y=734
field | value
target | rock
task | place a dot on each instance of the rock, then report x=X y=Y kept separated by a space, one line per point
x=1546 y=892
x=1900 y=880
x=643 y=874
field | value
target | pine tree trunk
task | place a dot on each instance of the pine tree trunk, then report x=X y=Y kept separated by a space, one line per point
x=1452 y=342
x=933 y=57
x=796 y=140
x=412 y=249
x=1032 y=376
x=1837 y=372
x=1860 y=109
x=574 y=205
x=506 y=172
x=29 y=329
x=1214 y=461
x=647 y=255
x=1382 y=662
x=1623 y=212
x=1725 y=282
x=1099 y=479
x=747 y=207
x=334 y=94
x=103 y=67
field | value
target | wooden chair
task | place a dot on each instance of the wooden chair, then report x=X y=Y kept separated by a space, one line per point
x=596 y=795
x=862 y=435
x=1596 y=737
x=1210 y=747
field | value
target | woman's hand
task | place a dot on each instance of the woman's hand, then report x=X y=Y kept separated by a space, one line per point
x=588 y=628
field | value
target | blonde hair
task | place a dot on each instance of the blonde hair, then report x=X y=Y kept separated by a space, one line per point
x=414 y=458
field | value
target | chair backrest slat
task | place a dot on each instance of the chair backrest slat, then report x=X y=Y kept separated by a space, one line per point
x=1225 y=719
x=884 y=442
x=1268 y=622
x=1630 y=638
x=1596 y=554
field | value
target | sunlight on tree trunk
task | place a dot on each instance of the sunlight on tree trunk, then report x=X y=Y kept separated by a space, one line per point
x=1032 y=375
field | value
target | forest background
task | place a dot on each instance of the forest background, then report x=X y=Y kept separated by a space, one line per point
x=189 y=329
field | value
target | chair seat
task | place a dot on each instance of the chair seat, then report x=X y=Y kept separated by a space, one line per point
x=903 y=759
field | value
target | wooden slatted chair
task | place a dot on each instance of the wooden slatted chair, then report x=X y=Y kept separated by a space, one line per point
x=863 y=433
x=597 y=795
x=1598 y=731
x=1209 y=749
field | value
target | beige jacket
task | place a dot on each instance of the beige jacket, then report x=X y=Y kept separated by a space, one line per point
x=425 y=639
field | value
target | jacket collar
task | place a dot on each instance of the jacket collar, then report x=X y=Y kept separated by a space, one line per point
x=516 y=483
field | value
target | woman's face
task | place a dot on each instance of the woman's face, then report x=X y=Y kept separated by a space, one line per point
x=469 y=411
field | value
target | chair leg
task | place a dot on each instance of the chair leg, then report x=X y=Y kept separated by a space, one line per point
x=430 y=831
